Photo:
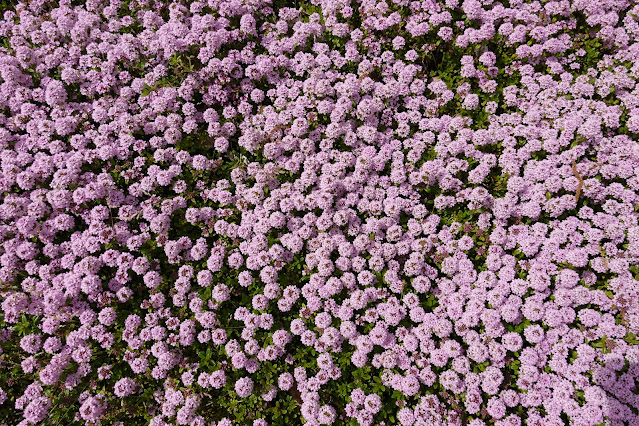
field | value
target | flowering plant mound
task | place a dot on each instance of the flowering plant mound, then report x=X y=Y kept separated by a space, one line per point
x=241 y=212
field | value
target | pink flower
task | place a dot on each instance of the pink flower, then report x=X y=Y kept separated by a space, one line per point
x=124 y=387
x=244 y=387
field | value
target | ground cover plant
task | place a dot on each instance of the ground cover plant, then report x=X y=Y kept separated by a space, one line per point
x=342 y=212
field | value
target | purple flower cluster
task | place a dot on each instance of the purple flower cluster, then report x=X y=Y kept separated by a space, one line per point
x=431 y=204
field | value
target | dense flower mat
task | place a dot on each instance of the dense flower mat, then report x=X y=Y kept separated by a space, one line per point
x=319 y=212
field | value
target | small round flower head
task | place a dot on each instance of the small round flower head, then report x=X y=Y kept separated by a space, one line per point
x=244 y=387
x=372 y=403
x=327 y=415
x=124 y=387
x=31 y=343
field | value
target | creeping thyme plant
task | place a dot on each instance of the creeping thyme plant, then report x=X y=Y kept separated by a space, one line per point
x=283 y=212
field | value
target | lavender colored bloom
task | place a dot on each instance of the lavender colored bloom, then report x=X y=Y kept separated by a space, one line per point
x=244 y=387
